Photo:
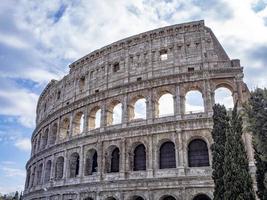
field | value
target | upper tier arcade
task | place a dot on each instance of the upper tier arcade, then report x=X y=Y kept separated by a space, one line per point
x=172 y=50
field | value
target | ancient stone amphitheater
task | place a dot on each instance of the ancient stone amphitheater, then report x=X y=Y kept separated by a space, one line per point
x=91 y=143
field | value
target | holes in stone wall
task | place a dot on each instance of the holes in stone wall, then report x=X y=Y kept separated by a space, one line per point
x=139 y=158
x=44 y=138
x=53 y=134
x=165 y=105
x=138 y=109
x=59 y=168
x=224 y=97
x=194 y=102
x=91 y=164
x=198 y=154
x=116 y=67
x=74 y=165
x=167 y=155
x=48 y=168
x=114 y=115
x=64 y=129
x=94 y=118
x=78 y=123
x=163 y=55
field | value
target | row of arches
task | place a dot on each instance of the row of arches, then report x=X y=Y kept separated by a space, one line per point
x=137 y=109
x=198 y=156
x=164 y=197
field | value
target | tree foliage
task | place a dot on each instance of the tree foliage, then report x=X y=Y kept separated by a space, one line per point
x=237 y=180
x=257 y=117
x=220 y=126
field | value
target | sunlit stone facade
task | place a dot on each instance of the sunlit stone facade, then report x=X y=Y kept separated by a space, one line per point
x=91 y=143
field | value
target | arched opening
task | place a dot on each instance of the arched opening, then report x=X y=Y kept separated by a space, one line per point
x=45 y=138
x=39 y=174
x=78 y=123
x=139 y=158
x=48 y=167
x=114 y=160
x=137 y=108
x=194 y=102
x=88 y=198
x=198 y=154
x=224 y=97
x=165 y=105
x=137 y=198
x=201 y=197
x=111 y=198
x=53 y=134
x=94 y=118
x=91 y=164
x=64 y=129
x=168 y=198
x=59 y=168
x=167 y=155
x=74 y=165
x=114 y=115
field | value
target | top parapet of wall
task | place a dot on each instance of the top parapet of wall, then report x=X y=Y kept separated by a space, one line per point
x=139 y=38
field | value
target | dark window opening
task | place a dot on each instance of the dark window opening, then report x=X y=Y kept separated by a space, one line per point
x=74 y=165
x=96 y=91
x=139 y=79
x=115 y=160
x=201 y=197
x=198 y=155
x=139 y=158
x=58 y=95
x=116 y=67
x=163 y=55
x=167 y=155
x=191 y=69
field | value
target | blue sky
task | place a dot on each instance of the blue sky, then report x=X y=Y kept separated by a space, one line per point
x=38 y=39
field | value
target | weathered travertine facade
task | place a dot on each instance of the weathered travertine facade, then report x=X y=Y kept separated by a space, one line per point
x=156 y=158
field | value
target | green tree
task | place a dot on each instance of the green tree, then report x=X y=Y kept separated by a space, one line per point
x=257 y=117
x=237 y=180
x=220 y=126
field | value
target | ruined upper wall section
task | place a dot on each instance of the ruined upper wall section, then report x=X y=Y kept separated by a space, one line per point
x=161 y=52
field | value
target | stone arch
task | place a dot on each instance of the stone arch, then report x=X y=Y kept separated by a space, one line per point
x=113 y=159
x=114 y=112
x=44 y=138
x=137 y=197
x=91 y=164
x=201 y=197
x=88 y=198
x=168 y=197
x=39 y=173
x=53 y=134
x=74 y=165
x=165 y=105
x=139 y=157
x=78 y=123
x=194 y=102
x=64 y=128
x=94 y=118
x=48 y=167
x=167 y=155
x=198 y=153
x=59 y=168
x=224 y=96
x=111 y=198
x=137 y=107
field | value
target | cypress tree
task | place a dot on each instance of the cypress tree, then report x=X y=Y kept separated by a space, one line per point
x=220 y=125
x=257 y=116
x=261 y=168
x=237 y=180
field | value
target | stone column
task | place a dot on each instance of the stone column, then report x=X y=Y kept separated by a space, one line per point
x=123 y=158
x=70 y=130
x=81 y=153
x=177 y=103
x=85 y=123
x=65 y=171
x=124 y=111
x=207 y=98
x=149 y=107
x=150 y=157
x=103 y=120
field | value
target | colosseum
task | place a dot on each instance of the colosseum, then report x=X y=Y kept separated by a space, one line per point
x=92 y=143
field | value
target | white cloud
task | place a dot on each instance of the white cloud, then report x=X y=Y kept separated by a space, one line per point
x=20 y=104
x=23 y=144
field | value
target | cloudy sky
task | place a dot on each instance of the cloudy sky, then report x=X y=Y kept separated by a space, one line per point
x=38 y=39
